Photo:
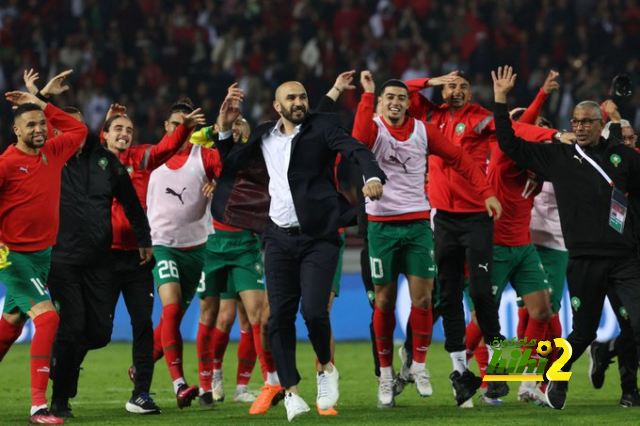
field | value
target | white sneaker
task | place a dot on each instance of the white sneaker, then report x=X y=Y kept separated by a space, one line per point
x=525 y=392
x=217 y=391
x=423 y=384
x=385 y=392
x=328 y=392
x=243 y=395
x=467 y=404
x=295 y=406
x=405 y=370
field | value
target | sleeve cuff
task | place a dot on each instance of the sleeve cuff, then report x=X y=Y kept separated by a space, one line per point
x=225 y=135
x=371 y=179
x=487 y=193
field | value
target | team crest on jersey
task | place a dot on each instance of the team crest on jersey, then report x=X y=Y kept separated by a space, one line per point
x=623 y=312
x=615 y=159
x=44 y=159
x=460 y=128
x=575 y=303
x=103 y=162
x=130 y=170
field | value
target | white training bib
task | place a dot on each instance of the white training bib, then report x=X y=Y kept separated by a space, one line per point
x=178 y=211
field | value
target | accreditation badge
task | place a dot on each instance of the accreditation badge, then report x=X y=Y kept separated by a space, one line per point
x=618 y=212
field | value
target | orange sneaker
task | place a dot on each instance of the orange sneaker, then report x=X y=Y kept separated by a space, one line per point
x=267 y=394
x=328 y=412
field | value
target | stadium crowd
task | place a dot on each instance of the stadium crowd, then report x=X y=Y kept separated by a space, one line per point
x=462 y=197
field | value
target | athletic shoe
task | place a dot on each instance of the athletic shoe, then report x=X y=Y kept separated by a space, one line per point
x=206 y=400
x=497 y=390
x=405 y=370
x=62 y=411
x=268 y=393
x=185 y=395
x=490 y=401
x=599 y=361
x=423 y=384
x=556 y=394
x=330 y=412
x=143 y=404
x=217 y=391
x=44 y=417
x=525 y=391
x=629 y=400
x=464 y=385
x=244 y=395
x=132 y=374
x=328 y=390
x=385 y=392
x=467 y=404
x=295 y=406
x=399 y=384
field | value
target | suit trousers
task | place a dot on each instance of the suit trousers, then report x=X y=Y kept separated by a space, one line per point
x=624 y=346
x=299 y=270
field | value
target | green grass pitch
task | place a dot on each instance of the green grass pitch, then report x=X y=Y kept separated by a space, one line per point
x=105 y=387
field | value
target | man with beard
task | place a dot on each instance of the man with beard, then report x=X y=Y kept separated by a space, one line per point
x=29 y=218
x=281 y=183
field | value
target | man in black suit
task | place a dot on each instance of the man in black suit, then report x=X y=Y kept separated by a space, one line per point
x=281 y=183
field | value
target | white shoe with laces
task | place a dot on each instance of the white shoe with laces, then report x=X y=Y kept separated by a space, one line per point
x=295 y=406
x=243 y=395
x=423 y=382
x=385 y=392
x=328 y=392
x=217 y=391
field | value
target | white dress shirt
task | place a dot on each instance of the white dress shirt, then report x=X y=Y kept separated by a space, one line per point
x=276 y=150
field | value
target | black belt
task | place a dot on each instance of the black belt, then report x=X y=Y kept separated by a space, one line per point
x=294 y=230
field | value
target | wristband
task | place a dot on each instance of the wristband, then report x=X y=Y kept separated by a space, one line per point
x=339 y=91
x=42 y=97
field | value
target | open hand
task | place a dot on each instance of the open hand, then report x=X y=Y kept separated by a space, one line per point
x=344 y=80
x=443 y=79
x=54 y=86
x=30 y=78
x=116 y=109
x=503 y=82
x=229 y=111
x=196 y=118
x=209 y=188
x=20 y=98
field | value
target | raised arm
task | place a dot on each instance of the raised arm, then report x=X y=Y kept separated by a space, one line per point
x=535 y=156
x=229 y=112
x=420 y=106
x=531 y=114
x=364 y=128
x=342 y=84
x=170 y=144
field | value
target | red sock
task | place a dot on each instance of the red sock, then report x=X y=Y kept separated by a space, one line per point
x=157 y=342
x=172 y=340
x=246 y=357
x=482 y=358
x=46 y=326
x=473 y=338
x=268 y=360
x=523 y=319
x=384 y=323
x=9 y=333
x=536 y=330
x=257 y=341
x=204 y=346
x=220 y=342
x=553 y=331
x=421 y=321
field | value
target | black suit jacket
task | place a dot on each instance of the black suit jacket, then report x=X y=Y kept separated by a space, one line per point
x=242 y=194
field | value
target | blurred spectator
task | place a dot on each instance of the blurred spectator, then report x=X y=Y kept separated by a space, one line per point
x=147 y=53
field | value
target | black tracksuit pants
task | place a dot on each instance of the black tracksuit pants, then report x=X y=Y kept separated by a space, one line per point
x=83 y=296
x=624 y=346
x=459 y=237
x=136 y=284
x=589 y=279
x=299 y=270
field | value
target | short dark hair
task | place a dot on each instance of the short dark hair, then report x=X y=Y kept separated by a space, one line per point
x=182 y=105
x=394 y=83
x=109 y=122
x=24 y=108
x=71 y=110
